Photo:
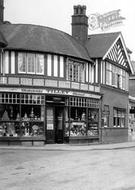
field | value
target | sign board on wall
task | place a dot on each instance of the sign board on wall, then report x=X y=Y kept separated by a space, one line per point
x=51 y=91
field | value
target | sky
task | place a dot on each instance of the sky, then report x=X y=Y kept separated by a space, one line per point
x=57 y=14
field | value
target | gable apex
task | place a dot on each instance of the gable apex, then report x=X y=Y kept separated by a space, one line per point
x=119 y=53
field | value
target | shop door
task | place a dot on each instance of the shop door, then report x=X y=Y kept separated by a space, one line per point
x=59 y=113
x=50 y=130
x=54 y=130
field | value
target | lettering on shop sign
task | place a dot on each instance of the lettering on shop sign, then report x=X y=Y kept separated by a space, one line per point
x=105 y=21
x=10 y=90
x=32 y=90
x=53 y=91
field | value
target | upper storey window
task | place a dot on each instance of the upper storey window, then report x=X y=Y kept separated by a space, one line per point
x=116 y=76
x=75 y=71
x=31 y=63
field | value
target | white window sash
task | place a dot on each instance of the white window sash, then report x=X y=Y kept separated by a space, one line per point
x=40 y=61
x=31 y=64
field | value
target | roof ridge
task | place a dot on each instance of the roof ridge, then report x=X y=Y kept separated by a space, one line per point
x=106 y=33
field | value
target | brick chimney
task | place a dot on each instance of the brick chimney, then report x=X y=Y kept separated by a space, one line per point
x=80 y=23
x=1 y=11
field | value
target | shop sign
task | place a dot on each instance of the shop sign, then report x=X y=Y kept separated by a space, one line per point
x=84 y=95
x=56 y=91
x=50 y=91
x=10 y=90
x=31 y=90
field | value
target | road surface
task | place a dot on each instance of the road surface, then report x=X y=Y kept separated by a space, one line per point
x=67 y=170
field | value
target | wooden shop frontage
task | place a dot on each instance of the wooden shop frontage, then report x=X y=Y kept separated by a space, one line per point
x=40 y=116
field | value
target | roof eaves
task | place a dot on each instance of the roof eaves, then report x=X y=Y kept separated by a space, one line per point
x=3 y=42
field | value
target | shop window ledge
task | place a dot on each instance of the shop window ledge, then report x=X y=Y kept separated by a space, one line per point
x=22 y=138
x=84 y=137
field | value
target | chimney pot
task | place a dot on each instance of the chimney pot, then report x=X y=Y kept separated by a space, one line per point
x=80 y=23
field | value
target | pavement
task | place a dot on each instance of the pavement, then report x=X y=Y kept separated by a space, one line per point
x=73 y=147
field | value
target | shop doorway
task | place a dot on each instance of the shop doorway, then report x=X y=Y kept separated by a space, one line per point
x=59 y=124
x=55 y=124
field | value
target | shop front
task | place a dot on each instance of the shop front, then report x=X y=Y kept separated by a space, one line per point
x=31 y=118
x=72 y=119
x=22 y=118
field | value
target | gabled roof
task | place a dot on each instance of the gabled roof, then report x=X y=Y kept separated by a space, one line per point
x=42 y=39
x=3 y=42
x=98 y=44
x=102 y=46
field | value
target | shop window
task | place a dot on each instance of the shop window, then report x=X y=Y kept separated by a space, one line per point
x=81 y=117
x=119 y=117
x=32 y=120
x=21 y=115
x=78 y=124
x=9 y=124
x=93 y=117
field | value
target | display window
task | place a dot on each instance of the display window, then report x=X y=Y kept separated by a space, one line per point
x=81 y=117
x=21 y=115
x=78 y=124
x=93 y=119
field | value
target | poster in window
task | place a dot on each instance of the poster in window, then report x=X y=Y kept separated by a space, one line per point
x=50 y=118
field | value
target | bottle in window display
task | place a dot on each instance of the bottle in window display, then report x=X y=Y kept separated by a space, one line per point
x=32 y=114
x=5 y=116
x=18 y=117
x=25 y=118
x=83 y=116
x=11 y=112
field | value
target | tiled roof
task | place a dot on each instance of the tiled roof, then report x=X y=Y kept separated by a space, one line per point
x=43 y=39
x=98 y=44
x=3 y=42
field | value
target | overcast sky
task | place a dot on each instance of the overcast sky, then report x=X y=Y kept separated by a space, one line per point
x=57 y=14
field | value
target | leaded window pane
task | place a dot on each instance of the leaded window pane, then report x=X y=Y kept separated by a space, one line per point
x=39 y=64
x=31 y=63
x=22 y=62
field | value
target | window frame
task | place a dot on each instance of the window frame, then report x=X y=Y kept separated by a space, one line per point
x=119 y=117
x=24 y=60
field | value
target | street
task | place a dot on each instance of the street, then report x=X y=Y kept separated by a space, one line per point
x=67 y=170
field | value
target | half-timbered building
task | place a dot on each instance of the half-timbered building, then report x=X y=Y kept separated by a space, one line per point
x=57 y=88
x=113 y=67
